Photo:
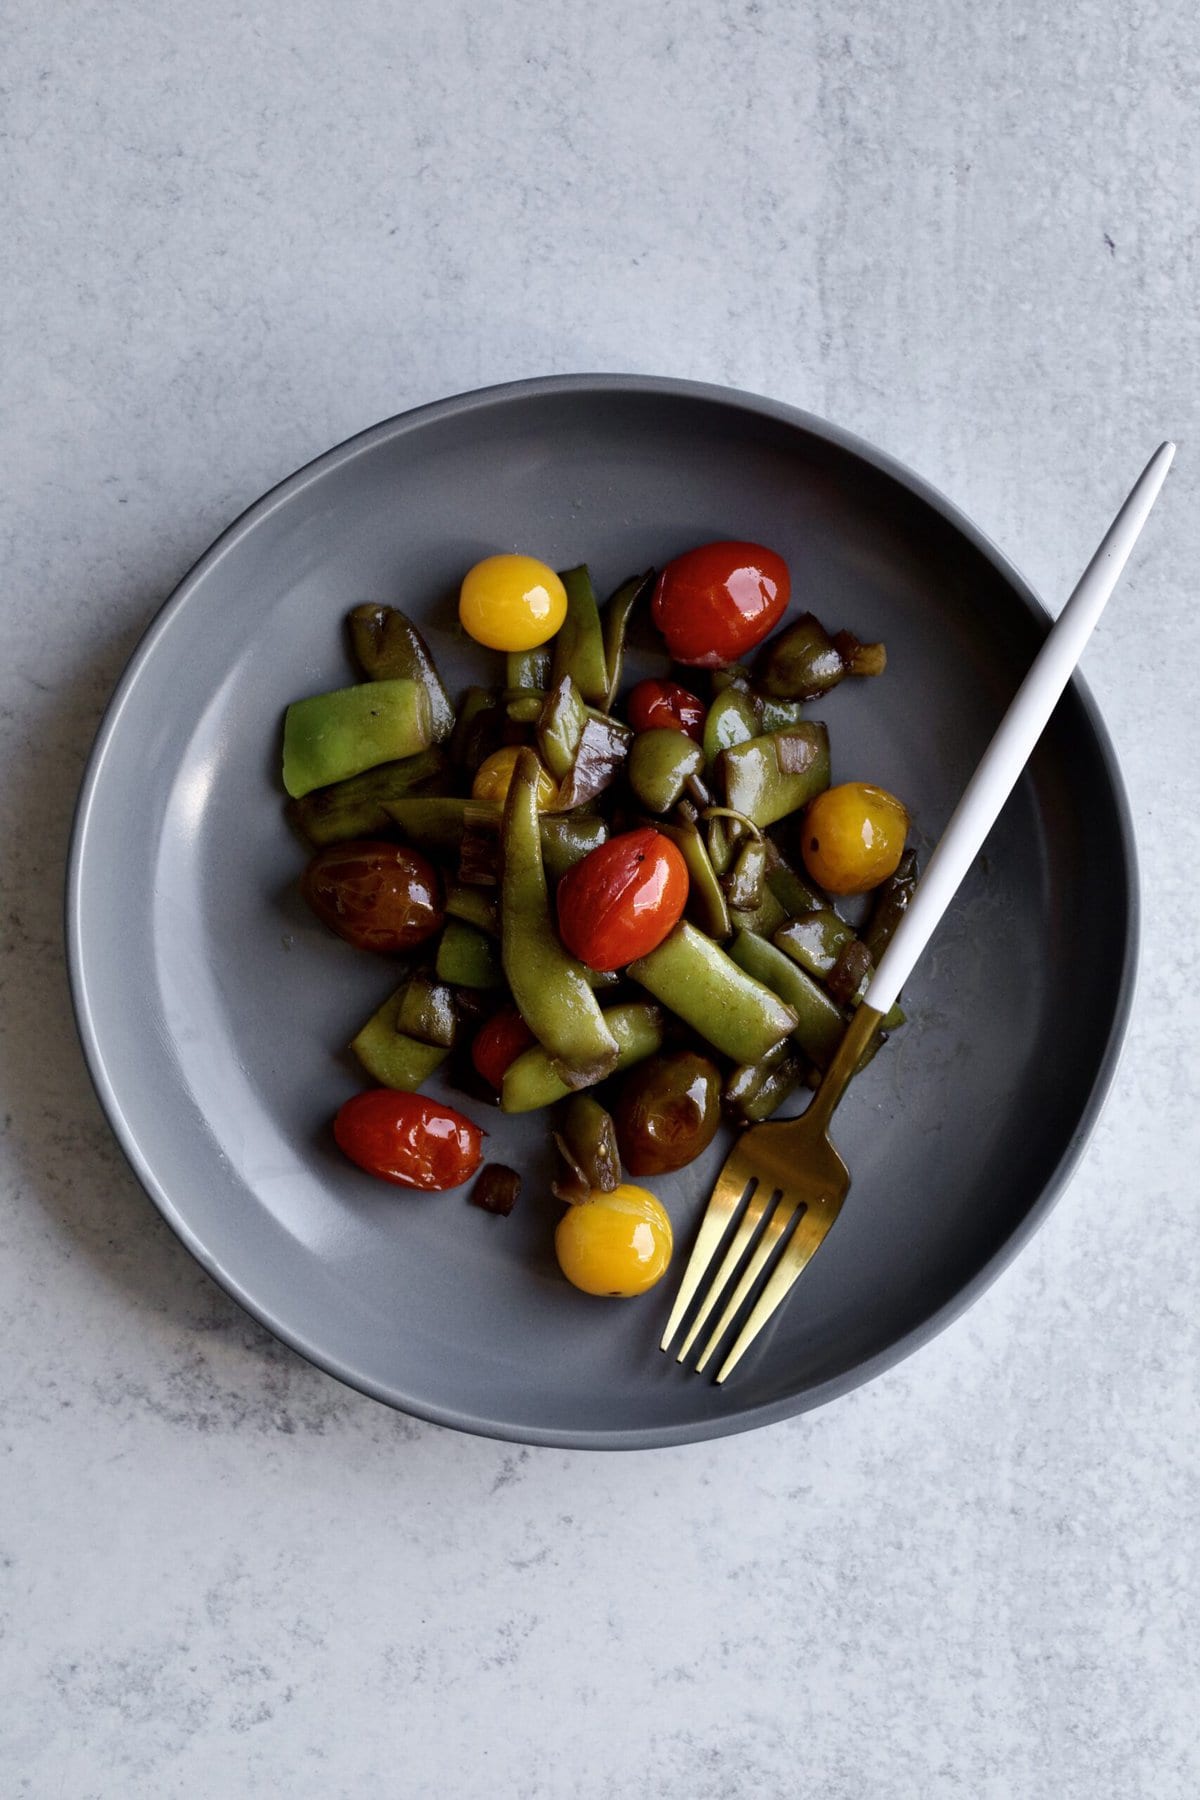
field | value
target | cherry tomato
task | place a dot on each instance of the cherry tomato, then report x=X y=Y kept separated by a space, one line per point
x=666 y=706
x=493 y=778
x=408 y=1139
x=615 y=1244
x=623 y=899
x=377 y=896
x=498 y=1044
x=853 y=837
x=715 y=603
x=667 y=1112
x=512 y=602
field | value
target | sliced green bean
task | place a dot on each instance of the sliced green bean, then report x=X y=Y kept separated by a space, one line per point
x=388 y=647
x=660 y=762
x=567 y=838
x=816 y=939
x=770 y=776
x=474 y=906
x=744 y=882
x=765 y=918
x=579 y=645
x=891 y=904
x=781 y=715
x=590 y=1138
x=533 y=1081
x=477 y=729
x=331 y=737
x=706 y=897
x=468 y=957
x=390 y=1056
x=731 y=719
x=819 y=1023
x=724 y=1002
x=756 y=1090
x=528 y=668
x=356 y=808
x=550 y=989
x=799 y=663
x=427 y=1011
x=793 y=892
x=560 y=724
x=616 y=621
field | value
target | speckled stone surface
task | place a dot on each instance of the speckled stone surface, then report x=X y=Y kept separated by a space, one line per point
x=234 y=235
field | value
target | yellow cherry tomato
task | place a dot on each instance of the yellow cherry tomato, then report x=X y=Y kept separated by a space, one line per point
x=853 y=837
x=616 y=1244
x=494 y=776
x=512 y=602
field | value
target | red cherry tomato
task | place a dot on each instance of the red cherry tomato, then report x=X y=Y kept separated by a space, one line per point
x=408 y=1139
x=715 y=603
x=498 y=1044
x=665 y=706
x=623 y=899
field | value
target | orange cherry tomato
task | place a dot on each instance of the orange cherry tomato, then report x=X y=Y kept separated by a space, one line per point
x=623 y=899
x=713 y=604
x=499 y=1043
x=408 y=1139
x=665 y=706
x=377 y=896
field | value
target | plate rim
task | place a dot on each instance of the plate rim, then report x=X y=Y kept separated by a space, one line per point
x=339 y=455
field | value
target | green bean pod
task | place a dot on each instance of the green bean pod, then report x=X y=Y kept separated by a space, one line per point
x=579 y=644
x=331 y=737
x=549 y=987
x=891 y=903
x=388 y=647
x=818 y=1023
x=528 y=668
x=617 y=616
x=660 y=762
x=533 y=1081
x=706 y=897
x=390 y=1056
x=357 y=807
x=427 y=1011
x=560 y=726
x=721 y=1000
x=799 y=663
x=590 y=1138
x=816 y=939
x=770 y=776
x=468 y=957
x=731 y=719
x=474 y=906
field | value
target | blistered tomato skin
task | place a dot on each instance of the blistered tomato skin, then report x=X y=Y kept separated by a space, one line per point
x=378 y=896
x=715 y=603
x=499 y=1043
x=408 y=1139
x=665 y=706
x=614 y=1245
x=623 y=899
x=512 y=602
x=853 y=837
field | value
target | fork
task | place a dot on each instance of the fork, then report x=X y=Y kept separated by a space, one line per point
x=789 y=1174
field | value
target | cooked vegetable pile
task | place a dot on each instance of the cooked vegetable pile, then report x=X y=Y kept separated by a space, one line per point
x=615 y=904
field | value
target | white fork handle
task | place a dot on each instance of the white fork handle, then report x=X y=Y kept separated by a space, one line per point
x=1013 y=744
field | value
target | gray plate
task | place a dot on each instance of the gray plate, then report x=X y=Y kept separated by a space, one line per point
x=211 y=1007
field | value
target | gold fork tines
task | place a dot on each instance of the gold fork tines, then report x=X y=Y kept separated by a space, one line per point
x=779 y=1171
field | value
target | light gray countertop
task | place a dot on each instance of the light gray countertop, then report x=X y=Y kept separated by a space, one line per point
x=235 y=235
